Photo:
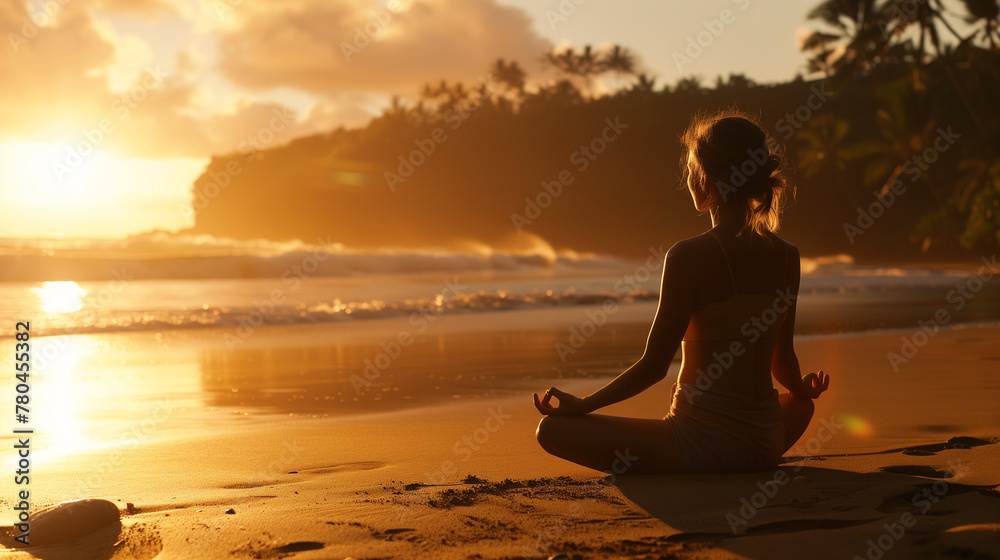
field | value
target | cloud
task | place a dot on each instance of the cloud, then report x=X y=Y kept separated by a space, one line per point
x=325 y=46
x=57 y=67
x=348 y=110
x=68 y=69
x=157 y=121
x=53 y=69
x=148 y=7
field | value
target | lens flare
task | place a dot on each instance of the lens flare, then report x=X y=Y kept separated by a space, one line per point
x=856 y=425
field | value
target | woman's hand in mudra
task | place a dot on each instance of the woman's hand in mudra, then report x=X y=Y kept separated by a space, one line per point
x=815 y=384
x=568 y=404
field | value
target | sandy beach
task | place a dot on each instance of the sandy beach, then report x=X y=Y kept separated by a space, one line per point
x=283 y=280
x=268 y=451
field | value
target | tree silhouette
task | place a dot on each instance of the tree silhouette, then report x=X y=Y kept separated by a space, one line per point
x=856 y=31
x=825 y=151
x=894 y=83
x=987 y=14
x=585 y=66
x=511 y=75
x=690 y=85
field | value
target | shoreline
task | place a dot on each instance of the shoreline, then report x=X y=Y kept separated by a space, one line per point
x=455 y=477
x=350 y=364
x=822 y=310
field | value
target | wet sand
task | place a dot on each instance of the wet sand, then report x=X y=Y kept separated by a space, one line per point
x=267 y=450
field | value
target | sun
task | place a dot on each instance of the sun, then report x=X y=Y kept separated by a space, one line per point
x=58 y=190
x=60 y=297
x=59 y=175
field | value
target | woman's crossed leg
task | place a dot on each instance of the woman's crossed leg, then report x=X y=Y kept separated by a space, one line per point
x=612 y=444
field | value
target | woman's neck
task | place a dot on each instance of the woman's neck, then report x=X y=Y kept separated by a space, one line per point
x=729 y=218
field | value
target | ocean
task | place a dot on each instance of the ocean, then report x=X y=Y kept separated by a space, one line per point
x=160 y=325
x=161 y=282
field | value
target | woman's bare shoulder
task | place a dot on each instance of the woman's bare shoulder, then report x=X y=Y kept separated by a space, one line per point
x=786 y=243
x=692 y=245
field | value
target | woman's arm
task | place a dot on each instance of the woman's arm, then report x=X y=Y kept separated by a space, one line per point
x=784 y=362
x=677 y=294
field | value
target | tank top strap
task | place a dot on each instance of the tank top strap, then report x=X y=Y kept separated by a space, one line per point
x=725 y=257
x=784 y=270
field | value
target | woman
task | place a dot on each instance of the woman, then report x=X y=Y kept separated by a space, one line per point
x=728 y=300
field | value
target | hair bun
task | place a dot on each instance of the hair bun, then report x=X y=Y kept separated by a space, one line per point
x=758 y=184
x=716 y=150
x=769 y=166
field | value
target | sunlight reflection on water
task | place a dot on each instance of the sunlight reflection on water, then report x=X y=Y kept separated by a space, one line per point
x=60 y=297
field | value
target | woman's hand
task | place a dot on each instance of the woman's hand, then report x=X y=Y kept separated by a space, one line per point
x=814 y=384
x=568 y=404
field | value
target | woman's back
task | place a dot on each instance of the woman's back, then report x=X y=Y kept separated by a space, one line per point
x=745 y=296
x=727 y=299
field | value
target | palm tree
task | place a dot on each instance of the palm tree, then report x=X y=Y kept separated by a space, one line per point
x=825 y=152
x=981 y=200
x=445 y=97
x=690 y=85
x=645 y=86
x=449 y=93
x=397 y=114
x=561 y=93
x=856 y=42
x=906 y=132
x=511 y=75
x=734 y=81
x=571 y=63
x=588 y=64
x=565 y=62
x=987 y=14
x=619 y=60
x=925 y=16
x=820 y=44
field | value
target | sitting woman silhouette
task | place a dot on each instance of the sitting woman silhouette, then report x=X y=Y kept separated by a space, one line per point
x=727 y=298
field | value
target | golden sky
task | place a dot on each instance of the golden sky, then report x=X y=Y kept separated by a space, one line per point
x=111 y=108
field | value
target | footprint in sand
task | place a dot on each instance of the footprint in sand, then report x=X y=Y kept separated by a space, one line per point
x=917 y=470
x=974 y=541
x=957 y=442
x=260 y=548
x=397 y=531
x=341 y=467
x=244 y=485
x=300 y=546
x=357 y=466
